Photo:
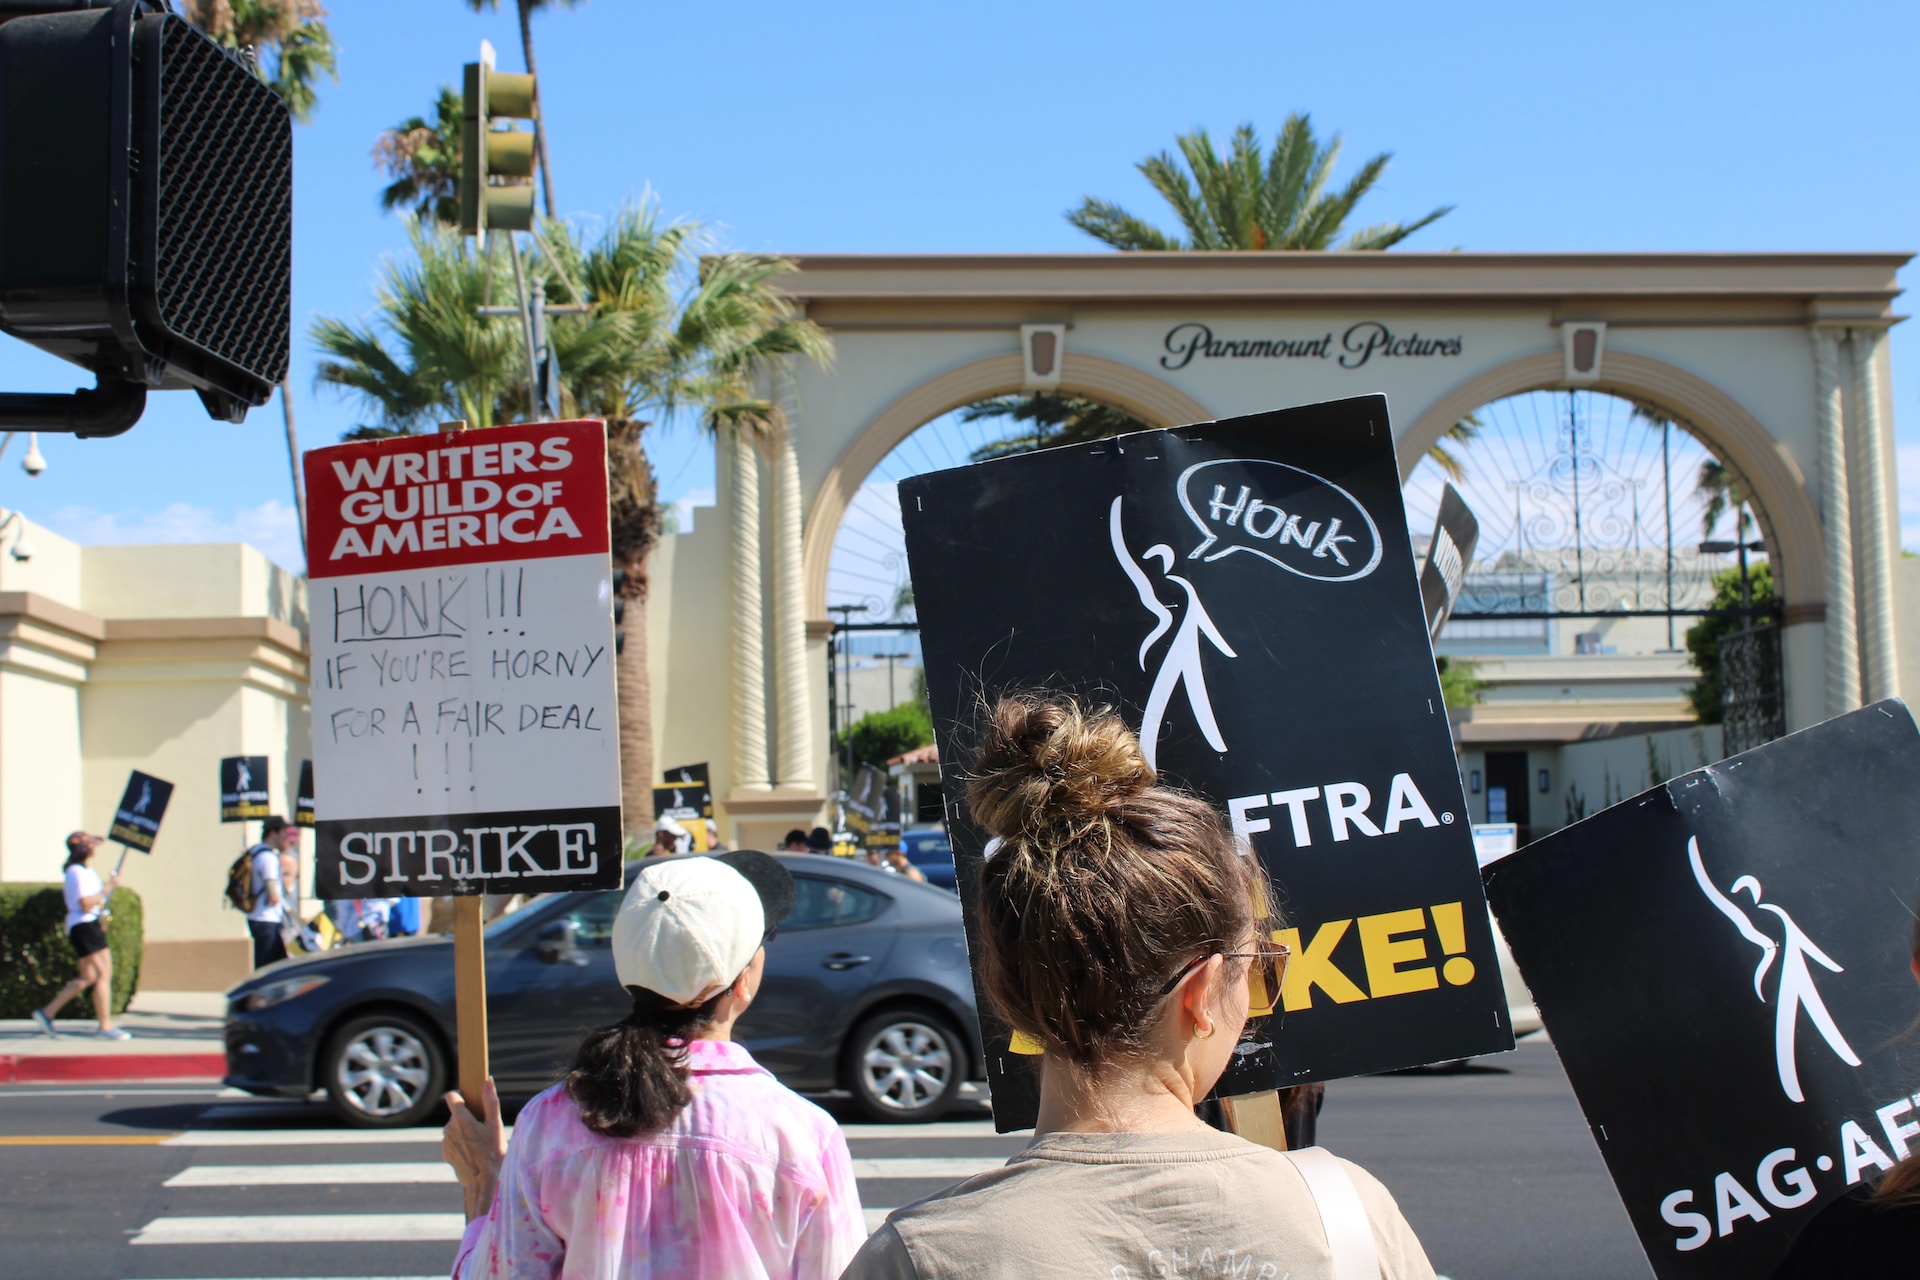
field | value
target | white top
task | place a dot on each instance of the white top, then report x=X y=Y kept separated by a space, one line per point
x=82 y=882
x=266 y=868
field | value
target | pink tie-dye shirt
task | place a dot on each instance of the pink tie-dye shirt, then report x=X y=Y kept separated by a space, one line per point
x=750 y=1182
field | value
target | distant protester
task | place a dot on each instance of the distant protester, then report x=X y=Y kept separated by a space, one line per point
x=86 y=897
x=819 y=840
x=270 y=905
x=794 y=842
x=667 y=1151
x=1117 y=927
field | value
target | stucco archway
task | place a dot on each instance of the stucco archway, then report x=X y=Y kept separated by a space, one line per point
x=1146 y=397
x=1789 y=520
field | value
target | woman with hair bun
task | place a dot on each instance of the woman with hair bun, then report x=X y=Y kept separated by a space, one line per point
x=1117 y=927
x=666 y=1151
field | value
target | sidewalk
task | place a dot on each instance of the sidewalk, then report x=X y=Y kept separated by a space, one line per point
x=176 y=1035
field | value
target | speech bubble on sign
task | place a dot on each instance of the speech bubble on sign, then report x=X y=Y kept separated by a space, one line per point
x=1299 y=521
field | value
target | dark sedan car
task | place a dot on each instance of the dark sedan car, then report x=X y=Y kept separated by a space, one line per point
x=866 y=990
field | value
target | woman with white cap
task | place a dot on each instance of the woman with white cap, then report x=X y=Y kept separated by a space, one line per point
x=666 y=1150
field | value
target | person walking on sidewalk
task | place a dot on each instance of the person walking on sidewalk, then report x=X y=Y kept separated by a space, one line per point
x=269 y=902
x=85 y=896
x=667 y=1151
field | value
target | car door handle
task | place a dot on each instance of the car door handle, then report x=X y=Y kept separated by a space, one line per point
x=840 y=960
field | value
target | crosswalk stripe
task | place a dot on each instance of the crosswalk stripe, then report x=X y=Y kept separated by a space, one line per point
x=923 y=1166
x=876 y=1218
x=294 y=1175
x=938 y=1129
x=303 y=1228
x=297 y=1138
x=438 y=1277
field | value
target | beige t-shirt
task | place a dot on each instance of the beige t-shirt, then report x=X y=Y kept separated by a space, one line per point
x=1121 y=1205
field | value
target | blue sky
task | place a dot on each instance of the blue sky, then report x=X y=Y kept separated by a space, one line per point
x=886 y=128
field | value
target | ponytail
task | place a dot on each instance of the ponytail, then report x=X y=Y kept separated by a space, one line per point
x=631 y=1076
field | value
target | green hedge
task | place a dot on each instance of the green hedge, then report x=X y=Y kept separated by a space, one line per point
x=36 y=959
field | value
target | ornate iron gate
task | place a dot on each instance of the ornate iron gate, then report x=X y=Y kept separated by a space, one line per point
x=1752 y=709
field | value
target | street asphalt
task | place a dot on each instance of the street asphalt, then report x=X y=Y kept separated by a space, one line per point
x=1492 y=1165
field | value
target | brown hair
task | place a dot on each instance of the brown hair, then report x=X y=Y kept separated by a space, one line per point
x=1105 y=883
x=631 y=1077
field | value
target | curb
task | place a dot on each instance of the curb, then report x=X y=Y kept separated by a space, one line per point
x=56 y=1068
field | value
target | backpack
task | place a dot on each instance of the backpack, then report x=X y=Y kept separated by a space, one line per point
x=240 y=881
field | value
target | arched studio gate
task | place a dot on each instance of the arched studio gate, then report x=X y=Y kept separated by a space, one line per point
x=1775 y=362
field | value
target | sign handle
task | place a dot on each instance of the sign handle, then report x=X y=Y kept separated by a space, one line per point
x=1257 y=1118
x=470 y=999
x=118 y=867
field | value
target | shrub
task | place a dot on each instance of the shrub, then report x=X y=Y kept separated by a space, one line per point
x=36 y=959
x=879 y=736
x=1704 y=636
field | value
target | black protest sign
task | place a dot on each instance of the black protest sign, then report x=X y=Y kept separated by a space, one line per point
x=303 y=797
x=243 y=788
x=682 y=804
x=866 y=801
x=136 y=822
x=1723 y=964
x=694 y=778
x=1449 y=552
x=1245 y=592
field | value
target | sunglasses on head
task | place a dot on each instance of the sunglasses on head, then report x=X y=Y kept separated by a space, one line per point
x=1267 y=969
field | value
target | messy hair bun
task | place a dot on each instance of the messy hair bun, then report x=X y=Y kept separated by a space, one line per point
x=1105 y=883
x=1049 y=773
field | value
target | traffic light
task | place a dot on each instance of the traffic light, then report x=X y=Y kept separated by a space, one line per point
x=146 y=212
x=487 y=153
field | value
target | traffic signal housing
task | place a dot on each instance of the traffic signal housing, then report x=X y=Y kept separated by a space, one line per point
x=146 y=212
x=487 y=153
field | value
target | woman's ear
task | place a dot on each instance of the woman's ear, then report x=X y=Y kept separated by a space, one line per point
x=1198 y=991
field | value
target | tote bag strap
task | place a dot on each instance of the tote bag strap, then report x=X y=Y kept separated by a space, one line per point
x=1342 y=1216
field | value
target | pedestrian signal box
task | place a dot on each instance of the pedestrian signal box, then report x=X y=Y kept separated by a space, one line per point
x=146 y=213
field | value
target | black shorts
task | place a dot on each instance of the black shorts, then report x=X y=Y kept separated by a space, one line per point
x=87 y=937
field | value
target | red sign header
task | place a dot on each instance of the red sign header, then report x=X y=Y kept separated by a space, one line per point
x=463 y=497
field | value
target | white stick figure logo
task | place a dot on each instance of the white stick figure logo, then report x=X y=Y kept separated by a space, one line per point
x=242 y=776
x=146 y=797
x=1795 y=990
x=1180 y=665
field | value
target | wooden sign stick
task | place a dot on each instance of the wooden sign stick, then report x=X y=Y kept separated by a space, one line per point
x=1257 y=1118
x=470 y=998
x=470 y=975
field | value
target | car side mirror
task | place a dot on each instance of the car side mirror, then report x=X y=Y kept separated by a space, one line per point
x=557 y=944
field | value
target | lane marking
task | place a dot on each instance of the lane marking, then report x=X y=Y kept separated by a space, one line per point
x=9 y=1091
x=294 y=1175
x=304 y=1228
x=876 y=1218
x=923 y=1166
x=87 y=1140
x=364 y=1278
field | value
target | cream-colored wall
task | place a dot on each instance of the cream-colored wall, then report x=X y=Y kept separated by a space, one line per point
x=164 y=659
x=1906 y=603
x=689 y=632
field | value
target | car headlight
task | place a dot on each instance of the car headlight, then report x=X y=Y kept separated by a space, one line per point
x=280 y=992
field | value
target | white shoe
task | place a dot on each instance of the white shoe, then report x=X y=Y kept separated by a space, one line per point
x=113 y=1033
x=46 y=1023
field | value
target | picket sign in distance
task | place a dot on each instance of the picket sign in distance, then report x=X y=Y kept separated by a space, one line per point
x=1245 y=593
x=1724 y=966
x=303 y=796
x=463 y=685
x=243 y=788
x=136 y=820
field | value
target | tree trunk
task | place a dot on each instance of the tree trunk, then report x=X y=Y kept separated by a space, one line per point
x=635 y=683
x=293 y=458
x=539 y=123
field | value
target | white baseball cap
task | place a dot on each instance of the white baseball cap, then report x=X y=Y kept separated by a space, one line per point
x=689 y=926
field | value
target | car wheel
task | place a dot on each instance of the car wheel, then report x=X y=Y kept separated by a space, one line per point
x=384 y=1071
x=905 y=1067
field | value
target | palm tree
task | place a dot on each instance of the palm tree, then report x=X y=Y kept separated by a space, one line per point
x=1243 y=201
x=1051 y=419
x=422 y=157
x=526 y=10
x=1722 y=487
x=289 y=40
x=432 y=355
